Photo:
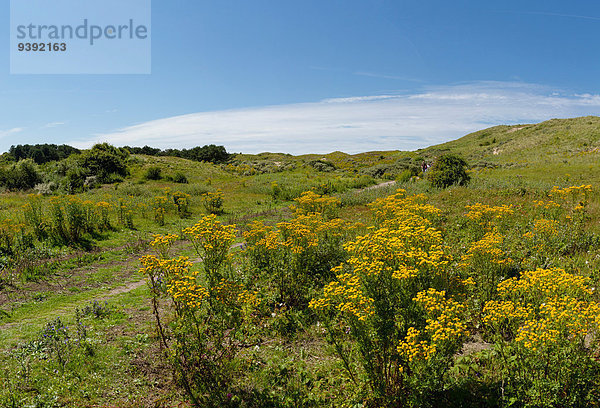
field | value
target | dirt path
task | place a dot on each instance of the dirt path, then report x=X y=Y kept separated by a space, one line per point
x=125 y=266
x=101 y=297
x=121 y=289
x=380 y=185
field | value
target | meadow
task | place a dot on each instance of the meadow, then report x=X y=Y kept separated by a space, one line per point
x=333 y=280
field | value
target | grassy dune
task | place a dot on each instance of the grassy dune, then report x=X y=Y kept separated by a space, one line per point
x=291 y=362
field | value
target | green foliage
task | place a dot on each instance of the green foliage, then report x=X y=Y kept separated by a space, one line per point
x=213 y=202
x=160 y=207
x=74 y=180
x=405 y=165
x=207 y=153
x=405 y=176
x=322 y=165
x=297 y=257
x=58 y=344
x=289 y=190
x=96 y=310
x=153 y=173
x=182 y=203
x=65 y=220
x=105 y=161
x=147 y=150
x=388 y=306
x=125 y=212
x=180 y=178
x=23 y=175
x=211 y=324
x=41 y=153
x=448 y=170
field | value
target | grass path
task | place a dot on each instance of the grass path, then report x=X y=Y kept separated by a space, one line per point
x=30 y=316
x=380 y=185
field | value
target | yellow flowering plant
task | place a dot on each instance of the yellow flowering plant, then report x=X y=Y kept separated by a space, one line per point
x=213 y=202
x=387 y=295
x=311 y=202
x=182 y=202
x=485 y=263
x=212 y=240
x=211 y=316
x=296 y=256
x=160 y=205
x=544 y=326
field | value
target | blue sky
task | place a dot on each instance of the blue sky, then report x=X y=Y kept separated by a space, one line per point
x=316 y=76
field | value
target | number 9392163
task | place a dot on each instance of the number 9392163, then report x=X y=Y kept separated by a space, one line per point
x=42 y=47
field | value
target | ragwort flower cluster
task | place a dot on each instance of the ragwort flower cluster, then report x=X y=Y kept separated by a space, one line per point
x=544 y=308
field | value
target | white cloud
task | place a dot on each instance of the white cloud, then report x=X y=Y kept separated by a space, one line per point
x=360 y=123
x=384 y=76
x=53 y=124
x=4 y=133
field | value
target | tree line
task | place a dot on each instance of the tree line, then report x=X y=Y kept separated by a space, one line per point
x=44 y=153
x=53 y=167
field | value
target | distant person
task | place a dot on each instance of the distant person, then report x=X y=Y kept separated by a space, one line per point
x=424 y=167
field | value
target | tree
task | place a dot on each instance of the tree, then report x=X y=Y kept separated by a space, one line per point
x=105 y=161
x=447 y=170
x=23 y=175
x=208 y=153
x=41 y=153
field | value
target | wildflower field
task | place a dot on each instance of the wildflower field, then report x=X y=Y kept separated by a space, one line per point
x=313 y=281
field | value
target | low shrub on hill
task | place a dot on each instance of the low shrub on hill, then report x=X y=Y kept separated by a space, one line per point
x=448 y=170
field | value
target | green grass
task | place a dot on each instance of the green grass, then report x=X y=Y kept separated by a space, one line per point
x=512 y=165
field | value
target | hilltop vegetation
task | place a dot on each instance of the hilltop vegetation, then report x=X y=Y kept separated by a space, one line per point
x=274 y=280
x=554 y=139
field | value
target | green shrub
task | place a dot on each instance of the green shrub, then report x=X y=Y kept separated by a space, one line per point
x=208 y=153
x=153 y=173
x=74 y=180
x=405 y=176
x=180 y=178
x=23 y=175
x=107 y=162
x=321 y=165
x=448 y=170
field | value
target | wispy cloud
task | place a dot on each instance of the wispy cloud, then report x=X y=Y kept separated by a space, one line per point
x=544 y=13
x=4 y=133
x=385 y=76
x=361 y=123
x=551 y=14
x=395 y=77
x=54 y=124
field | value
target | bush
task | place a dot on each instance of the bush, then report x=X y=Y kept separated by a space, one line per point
x=321 y=165
x=180 y=178
x=46 y=188
x=405 y=176
x=153 y=173
x=105 y=161
x=297 y=256
x=389 y=307
x=448 y=170
x=212 y=322
x=392 y=170
x=213 y=202
x=21 y=176
x=74 y=180
x=208 y=153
